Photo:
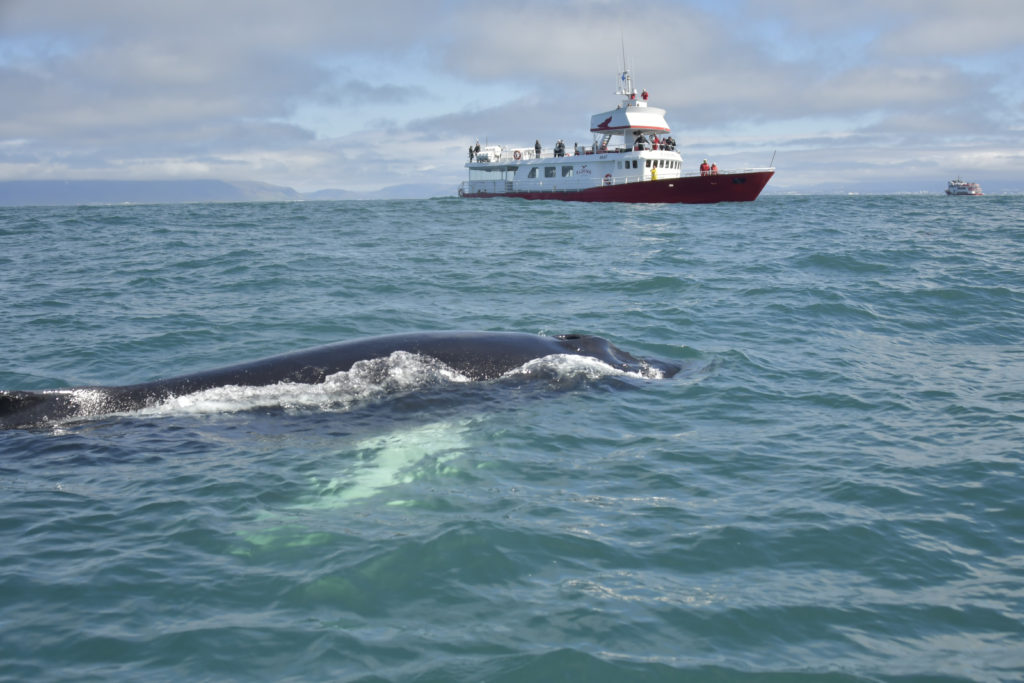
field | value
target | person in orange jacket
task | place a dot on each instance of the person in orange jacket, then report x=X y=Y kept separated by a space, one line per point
x=704 y=168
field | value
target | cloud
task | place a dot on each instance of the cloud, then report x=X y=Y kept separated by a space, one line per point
x=955 y=29
x=300 y=93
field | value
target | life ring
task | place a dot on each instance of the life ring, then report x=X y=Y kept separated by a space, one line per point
x=517 y=155
x=607 y=178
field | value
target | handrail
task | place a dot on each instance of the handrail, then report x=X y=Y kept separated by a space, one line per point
x=507 y=153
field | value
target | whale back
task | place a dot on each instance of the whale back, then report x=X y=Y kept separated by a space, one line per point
x=26 y=408
x=475 y=355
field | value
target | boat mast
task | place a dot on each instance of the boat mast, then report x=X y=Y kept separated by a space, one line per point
x=626 y=79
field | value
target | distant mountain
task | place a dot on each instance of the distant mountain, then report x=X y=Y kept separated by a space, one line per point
x=407 y=191
x=65 y=192
x=331 y=195
x=74 y=192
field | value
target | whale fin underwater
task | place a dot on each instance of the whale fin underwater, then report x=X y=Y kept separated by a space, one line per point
x=476 y=356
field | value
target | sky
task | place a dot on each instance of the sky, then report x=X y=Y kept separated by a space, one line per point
x=897 y=95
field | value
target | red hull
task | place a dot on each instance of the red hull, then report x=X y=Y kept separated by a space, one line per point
x=709 y=189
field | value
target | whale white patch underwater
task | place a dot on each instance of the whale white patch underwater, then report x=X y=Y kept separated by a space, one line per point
x=392 y=463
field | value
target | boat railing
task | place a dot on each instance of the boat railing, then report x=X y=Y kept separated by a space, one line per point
x=528 y=154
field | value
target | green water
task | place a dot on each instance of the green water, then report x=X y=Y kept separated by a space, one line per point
x=830 y=490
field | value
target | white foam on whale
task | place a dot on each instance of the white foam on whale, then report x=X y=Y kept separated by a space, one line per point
x=364 y=382
x=373 y=380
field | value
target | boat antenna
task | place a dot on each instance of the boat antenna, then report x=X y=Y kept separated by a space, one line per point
x=626 y=77
x=773 y=159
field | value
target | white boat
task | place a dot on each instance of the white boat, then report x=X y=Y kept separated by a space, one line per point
x=961 y=187
x=632 y=158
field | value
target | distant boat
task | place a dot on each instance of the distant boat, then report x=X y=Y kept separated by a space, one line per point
x=633 y=158
x=962 y=187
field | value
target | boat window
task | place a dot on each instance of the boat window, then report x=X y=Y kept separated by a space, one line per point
x=533 y=173
x=549 y=171
x=486 y=174
x=566 y=171
x=647 y=163
x=634 y=163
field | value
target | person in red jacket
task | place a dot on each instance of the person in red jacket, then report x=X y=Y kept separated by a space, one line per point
x=714 y=169
x=704 y=168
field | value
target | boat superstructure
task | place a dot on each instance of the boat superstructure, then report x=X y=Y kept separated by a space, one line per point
x=632 y=158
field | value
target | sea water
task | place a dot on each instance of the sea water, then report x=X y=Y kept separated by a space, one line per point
x=830 y=490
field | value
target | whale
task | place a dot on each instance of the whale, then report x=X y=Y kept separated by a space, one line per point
x=475 y=355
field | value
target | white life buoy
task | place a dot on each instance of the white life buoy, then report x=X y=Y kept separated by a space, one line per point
x=517 y=155
x=607 y=178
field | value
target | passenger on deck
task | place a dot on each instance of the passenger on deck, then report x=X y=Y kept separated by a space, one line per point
x=536 y=148
x=704 y=168
x=471 y=152
x=714 y=169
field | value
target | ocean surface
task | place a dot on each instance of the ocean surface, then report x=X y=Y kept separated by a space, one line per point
x=832 y=488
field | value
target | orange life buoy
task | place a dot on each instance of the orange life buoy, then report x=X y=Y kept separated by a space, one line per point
x=517 y=155
x=607 y=178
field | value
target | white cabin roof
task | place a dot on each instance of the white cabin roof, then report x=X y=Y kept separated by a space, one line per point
x=636 y=116
x=633 y=114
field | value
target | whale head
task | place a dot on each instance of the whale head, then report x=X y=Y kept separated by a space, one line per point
x=604 y=350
